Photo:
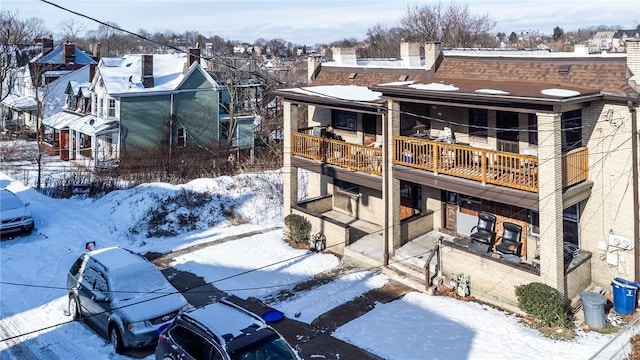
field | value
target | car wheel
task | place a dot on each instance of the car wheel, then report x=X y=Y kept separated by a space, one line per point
x=74 y=308
x=116 y=339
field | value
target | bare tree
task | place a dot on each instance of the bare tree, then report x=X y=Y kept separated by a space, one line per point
x=453 y=25
x=15 y=32
x=384 y=41
x=70 y=30
x=109 y=38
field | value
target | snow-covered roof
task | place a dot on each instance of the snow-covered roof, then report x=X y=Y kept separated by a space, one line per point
x=54 y=93
x=61 y=120
x=340 y=92
x=89 y=125
x=125 y=77
x=24 y=103
x=55 y=56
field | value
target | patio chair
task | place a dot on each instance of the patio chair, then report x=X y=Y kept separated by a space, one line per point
x=511 y=239
x=485 y=231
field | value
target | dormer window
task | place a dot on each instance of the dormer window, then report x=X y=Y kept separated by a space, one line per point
x=353 y=76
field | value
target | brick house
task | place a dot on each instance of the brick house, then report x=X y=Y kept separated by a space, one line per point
x=400 y=153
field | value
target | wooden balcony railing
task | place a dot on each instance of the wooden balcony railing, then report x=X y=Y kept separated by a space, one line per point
x=575 y=166
x=507 y=169
x=339 y=153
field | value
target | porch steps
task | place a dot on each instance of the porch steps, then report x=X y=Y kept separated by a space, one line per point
x=408 y=268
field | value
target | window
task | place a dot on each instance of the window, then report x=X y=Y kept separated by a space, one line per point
x=85 y=141
x=346 y=186
x=95 y=280
x=345 y=120
x=195 y=345
x=95 y=102
x=112 y=108
x=414 y=118
x=182 y=137
x=571 y=130
x=532 y=128
x=369 y=124
x=100 y=106
x=72 y=102
x=411 y=194
x=478 y=122
x=570 y=218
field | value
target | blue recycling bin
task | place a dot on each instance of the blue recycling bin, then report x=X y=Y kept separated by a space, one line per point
x=624 y=296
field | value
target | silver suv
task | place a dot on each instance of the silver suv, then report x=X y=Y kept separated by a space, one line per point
x=122 y=296
x=222 y=331
x=14 y=216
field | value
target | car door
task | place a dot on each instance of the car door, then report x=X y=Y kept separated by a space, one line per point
x=93 y=293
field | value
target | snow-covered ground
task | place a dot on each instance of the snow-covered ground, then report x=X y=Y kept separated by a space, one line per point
x=418 y=326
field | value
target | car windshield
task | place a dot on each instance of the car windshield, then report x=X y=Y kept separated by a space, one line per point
x=131 y=284
x=10 y=202
x=271 y=347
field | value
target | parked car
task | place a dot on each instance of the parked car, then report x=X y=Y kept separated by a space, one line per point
x=122 y=296
x=14 y=214
x=222 y=331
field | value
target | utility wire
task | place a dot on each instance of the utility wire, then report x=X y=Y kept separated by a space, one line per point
x=213 y=282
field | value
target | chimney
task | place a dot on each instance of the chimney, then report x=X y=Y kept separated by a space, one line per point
x=580 y=49
x=344 y=56
x=69 y=53
x=633 y=59
x=193 y=56
x=410 y=54
x=432 y=52
x=92 y=71
x=147 y=71
x=47 y=45
x=96 y=51
x=313 y=65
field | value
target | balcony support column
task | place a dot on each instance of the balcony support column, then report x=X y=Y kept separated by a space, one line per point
x=391 y=192
x=290 y=173
x=550 y=201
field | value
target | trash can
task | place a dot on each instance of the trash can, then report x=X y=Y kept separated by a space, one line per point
x=593 y=306
x=624 y=296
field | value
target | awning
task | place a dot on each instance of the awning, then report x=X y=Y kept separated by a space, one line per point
x=89 y=125
x=22 y=103
x=61 y=120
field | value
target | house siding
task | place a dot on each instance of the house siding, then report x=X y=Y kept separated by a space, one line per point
x=198 y=113
x=144 y=122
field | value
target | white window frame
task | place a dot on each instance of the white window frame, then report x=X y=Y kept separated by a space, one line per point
x=111 y=110
x=181 y=137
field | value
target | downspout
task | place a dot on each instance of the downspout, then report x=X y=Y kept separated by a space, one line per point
x=386 y=172
x=171 y=127
x=636 y=201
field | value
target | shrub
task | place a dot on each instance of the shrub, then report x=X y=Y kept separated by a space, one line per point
x=543 y=303
x=298 y=228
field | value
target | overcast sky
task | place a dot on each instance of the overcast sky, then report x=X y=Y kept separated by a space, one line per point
x=312 y=22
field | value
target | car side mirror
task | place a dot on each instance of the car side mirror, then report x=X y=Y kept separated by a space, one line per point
x=100 y=297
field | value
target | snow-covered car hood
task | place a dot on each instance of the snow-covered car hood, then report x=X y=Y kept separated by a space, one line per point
x=7 y=214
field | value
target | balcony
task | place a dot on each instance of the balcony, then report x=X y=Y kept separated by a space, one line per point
x=501 y=168
x=336 y=152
